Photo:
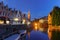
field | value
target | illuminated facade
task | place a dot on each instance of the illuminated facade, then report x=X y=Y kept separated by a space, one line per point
x=49 y=25
x=15 y=16
x=52 y=27
x=40 y=24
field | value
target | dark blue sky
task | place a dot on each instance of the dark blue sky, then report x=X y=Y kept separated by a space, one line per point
x=38 y=8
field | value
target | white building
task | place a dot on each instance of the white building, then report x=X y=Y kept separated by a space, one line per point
x=17 y=18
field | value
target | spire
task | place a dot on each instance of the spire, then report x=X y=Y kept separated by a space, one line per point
x=29 y=15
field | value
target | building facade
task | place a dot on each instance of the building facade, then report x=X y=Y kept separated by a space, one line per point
x=15 y=16
x=52 y=26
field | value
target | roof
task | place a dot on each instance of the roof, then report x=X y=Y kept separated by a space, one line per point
x=4 y=18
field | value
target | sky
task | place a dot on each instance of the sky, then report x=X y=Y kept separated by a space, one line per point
x=38 y=8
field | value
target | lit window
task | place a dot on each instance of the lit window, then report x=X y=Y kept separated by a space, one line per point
x=23 y=21
x=28 y=23
x=15 y=19
x=1 y=22
x=7 y=22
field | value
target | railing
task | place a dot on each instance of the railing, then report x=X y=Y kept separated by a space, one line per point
x=11 y=29
x=22 y=35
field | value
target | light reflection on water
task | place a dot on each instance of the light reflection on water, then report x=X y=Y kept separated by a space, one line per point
x=37 y=35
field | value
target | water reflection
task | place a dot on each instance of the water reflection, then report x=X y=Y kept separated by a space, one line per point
x=28 y=35
x=37 y=35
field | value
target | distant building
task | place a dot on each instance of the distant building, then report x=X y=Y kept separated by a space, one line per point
x=24 y=18
x=29 y=16
x=41 y=23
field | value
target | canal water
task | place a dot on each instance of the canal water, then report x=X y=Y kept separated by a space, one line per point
x=34 y=35
x=37 y=35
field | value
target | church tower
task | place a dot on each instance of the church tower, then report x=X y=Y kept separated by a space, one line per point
x=29 y=16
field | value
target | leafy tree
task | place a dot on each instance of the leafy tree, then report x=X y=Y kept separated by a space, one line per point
x=56 y=16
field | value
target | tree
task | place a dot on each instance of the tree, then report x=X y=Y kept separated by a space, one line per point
x=56 y=16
